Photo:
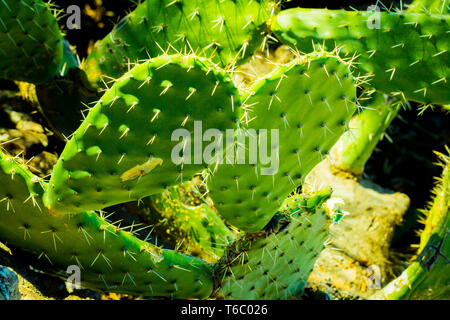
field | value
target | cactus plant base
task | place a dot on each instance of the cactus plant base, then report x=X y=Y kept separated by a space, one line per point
x=360 y=246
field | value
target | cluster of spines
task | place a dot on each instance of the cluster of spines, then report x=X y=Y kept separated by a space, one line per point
x=430 y=6
x=29 y=33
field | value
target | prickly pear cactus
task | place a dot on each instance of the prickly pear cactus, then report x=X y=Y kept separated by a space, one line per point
x=172 y=65
x=276 y=262
x=110 y=259
x=223 y=30
x=124 y=150
x=406 y=54
x=31 y=44
x=355 y=147
x=431 y=6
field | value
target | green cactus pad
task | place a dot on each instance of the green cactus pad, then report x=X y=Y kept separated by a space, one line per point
x=430 y=6
x=368 y=127
x=428 y=276
x=109 y=259
x=276 y=263
x=309 y=101
x=226 y=30
x=31 y=47
x=123 y=150
x=408 y=55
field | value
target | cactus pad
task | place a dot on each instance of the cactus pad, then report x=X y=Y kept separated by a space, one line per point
x=368 y=127
x=309 y=123
x=427 y=277
x=31 y=44
x=226 y=30
x=110 y=259
x=276 y=263
x=408 y=55
x=123 y=149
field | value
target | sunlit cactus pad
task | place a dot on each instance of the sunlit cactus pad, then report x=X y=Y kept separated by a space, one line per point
x=224 y=30
x=123 y=151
